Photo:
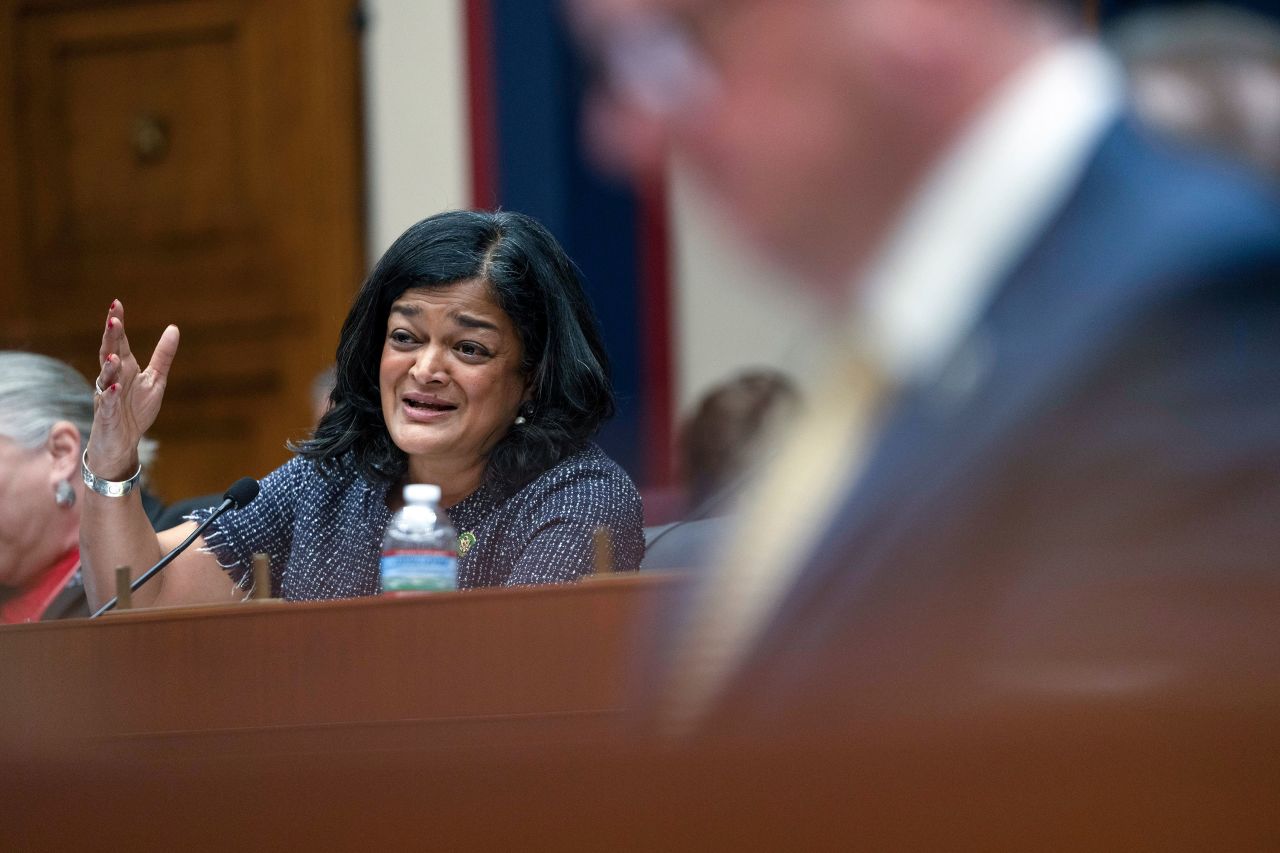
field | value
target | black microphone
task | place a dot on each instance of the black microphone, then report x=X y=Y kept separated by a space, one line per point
x=242 y=492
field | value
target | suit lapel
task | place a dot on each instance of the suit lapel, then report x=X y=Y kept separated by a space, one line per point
x=1050 y=324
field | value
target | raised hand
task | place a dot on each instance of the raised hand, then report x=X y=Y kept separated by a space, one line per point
x=128 y=398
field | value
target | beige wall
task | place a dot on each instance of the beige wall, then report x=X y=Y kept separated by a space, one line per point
x=417 y=154
x=733 y=310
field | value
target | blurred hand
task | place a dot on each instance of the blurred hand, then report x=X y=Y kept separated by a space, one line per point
x=130 y=398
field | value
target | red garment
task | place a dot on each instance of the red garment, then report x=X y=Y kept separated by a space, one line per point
x=31 y=601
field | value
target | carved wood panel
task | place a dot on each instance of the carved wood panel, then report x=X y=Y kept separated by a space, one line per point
x=197 y=159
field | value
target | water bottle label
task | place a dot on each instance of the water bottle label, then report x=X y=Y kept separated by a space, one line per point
x=418 y=570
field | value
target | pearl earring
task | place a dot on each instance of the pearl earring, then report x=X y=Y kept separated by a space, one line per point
x=63 y=495
x=519 y=420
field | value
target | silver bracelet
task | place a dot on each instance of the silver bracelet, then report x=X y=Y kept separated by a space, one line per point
x=107 y=488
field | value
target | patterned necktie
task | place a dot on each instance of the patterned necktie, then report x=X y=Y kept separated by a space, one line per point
x=780 y=521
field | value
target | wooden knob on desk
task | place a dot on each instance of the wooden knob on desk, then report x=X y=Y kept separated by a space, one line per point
x=602 y=551
x=124 y=595
x=261 y=577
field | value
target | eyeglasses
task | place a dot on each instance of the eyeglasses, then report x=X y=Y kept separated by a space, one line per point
x=652 y=62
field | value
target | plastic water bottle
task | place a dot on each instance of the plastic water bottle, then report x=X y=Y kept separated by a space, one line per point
x=420 y=548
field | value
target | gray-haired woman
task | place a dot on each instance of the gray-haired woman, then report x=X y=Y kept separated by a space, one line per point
x=46 y=409
x=46 y=413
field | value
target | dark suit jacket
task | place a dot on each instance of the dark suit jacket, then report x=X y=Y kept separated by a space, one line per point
x=1086 y=502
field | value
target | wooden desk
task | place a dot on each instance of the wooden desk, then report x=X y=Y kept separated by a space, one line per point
x=499 y=720
x=448 y=669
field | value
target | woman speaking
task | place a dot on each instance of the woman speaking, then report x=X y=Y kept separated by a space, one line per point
x=470 y=359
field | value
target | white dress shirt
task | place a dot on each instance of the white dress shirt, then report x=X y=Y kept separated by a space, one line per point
x=980 y=207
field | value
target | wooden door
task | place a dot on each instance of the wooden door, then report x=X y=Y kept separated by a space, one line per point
x=198 y=159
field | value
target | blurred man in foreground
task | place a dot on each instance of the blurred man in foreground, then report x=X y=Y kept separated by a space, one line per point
x=1048 y=465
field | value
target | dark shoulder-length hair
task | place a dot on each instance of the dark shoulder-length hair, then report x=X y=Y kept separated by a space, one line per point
x=538 y=287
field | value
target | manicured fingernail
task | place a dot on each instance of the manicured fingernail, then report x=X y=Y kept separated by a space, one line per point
x=111 y=322
x=112 y=305
x=115 y=386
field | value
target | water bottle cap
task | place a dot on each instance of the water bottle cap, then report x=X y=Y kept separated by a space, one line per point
x=422 y=493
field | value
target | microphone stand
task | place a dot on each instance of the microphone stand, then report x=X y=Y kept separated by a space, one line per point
x=227 y=503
